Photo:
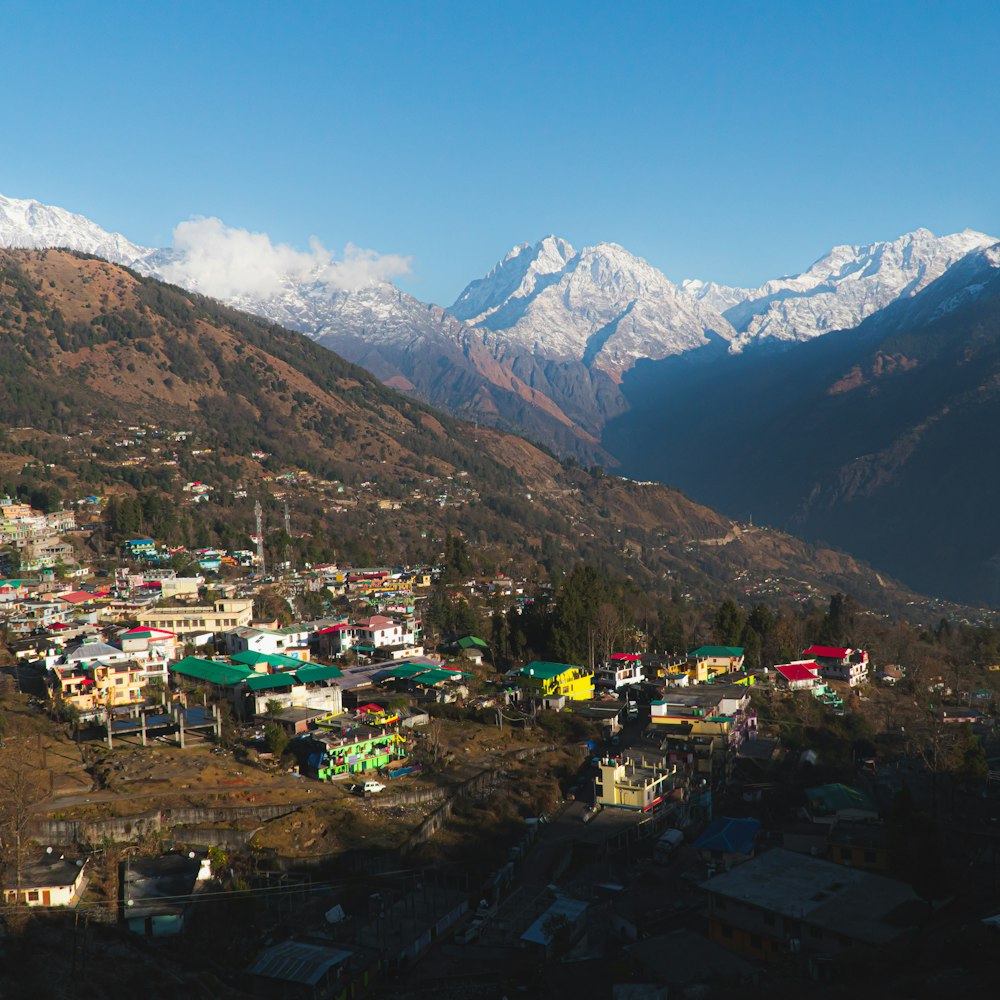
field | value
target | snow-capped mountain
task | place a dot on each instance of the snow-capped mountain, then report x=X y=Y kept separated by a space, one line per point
x=31 y=225
x=542 y=342
x=840 y=290
x=601 y=306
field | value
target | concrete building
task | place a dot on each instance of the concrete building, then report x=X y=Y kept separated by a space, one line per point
x=781 y=902
x=222 y=615
x=633 y=784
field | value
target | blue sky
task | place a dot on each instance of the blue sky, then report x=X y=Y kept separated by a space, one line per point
x=731 y=141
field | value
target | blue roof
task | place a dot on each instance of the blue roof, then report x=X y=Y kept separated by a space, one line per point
x=729 y=836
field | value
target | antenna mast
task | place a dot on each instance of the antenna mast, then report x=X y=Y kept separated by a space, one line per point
x=259 y=512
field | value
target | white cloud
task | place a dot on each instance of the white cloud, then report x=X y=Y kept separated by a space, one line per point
x=227 y=263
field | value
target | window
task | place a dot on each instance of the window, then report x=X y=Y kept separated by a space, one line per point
x=769 y=919
x=870 y=857
x=755 y=941
x=727 y=931
x=816 y=932
x=33 y=896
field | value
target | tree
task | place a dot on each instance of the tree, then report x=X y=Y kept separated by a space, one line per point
x=728 y=623
x=274 y=707
x=21 y=786
x=276 y=739
x=969 y=765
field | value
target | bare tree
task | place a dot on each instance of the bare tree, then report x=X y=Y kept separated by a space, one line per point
x=21 y=786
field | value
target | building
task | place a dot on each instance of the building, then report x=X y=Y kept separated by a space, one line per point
x=620 y=670
x=833 y=802
x=541 y=679
x=300 y=969
x=351 y=748
x=705 y=662
x=800 y=675
x=48 y=880
x=727 y=842
x=222 y=615
x=156 y=892
x=633 y=784
x=840 y=663
x=781 y=902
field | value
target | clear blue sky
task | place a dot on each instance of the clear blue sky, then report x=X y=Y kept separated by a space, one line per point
x=732 y=141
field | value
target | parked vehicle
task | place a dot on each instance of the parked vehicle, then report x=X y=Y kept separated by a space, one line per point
x=368 y=788
x=666 y=847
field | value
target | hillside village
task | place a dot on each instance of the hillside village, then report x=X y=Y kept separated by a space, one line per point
x=446 y=803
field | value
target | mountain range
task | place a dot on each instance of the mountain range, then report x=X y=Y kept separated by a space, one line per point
x=103 y=372
x=739 y=396
x=540 y=344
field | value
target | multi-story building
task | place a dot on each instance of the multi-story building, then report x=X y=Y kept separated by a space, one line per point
x=840 y=663
x=632 y=783
x=542 y=679
x=185 y=620
x=619 y=670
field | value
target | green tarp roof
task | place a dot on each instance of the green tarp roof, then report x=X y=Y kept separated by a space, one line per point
x=405 y=671
x=268 y=682
x=251 y=659
x=829 y=799
x=546 y=671
x=224 y=674
x=437 y=674
x=720 y=651
x=469 y=641
x=312 y=672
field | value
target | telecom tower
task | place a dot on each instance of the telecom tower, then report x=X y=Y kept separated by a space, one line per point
x=259 y=512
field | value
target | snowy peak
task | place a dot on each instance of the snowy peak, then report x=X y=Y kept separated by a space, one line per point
x=602 y=306
x=841 y=289
x=516 y=276
x=30 y=225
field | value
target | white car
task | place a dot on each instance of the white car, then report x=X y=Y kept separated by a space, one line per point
x=369 y=788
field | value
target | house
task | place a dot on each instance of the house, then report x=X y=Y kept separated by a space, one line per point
x=840 y=663
x=631 y=783
x=349 y=747
x=706 y=661
x=540 y=679
x=46 y=880
x=727 y=842
x=800 y=675
x=859 y=845
x=833 y=802
x=620 y=670
x=156 y=892
x=781 y=902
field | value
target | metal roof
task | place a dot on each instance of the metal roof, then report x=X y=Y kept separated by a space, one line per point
x=223 y=674
x=298 y=962
x=546 y=671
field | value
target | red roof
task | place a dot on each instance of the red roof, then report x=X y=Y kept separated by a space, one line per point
x=629 y=657
x=76 y=597
x=827 y=652
x=798 y=671
x=369 y=708
x=59 y=627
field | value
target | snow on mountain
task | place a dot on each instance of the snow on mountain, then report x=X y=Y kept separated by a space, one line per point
x=601 y=306
x=30 y=225
x=841 y=289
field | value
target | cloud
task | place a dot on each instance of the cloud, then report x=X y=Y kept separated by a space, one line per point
x=227 y=263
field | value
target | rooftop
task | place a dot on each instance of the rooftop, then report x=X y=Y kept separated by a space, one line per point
x=844 y=900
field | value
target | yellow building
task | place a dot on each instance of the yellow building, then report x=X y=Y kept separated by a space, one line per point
x=546 y=680
x=97 y=687
x=223 y=615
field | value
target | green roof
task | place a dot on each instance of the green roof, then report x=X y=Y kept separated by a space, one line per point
x=313 y=672
x=437 y=674
x=827 y=800
x=405 y=671
x=546 y=671
x=268 y=682
x=718 y=651
x=251 y=659
x=468 y=641
x=224 y=674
